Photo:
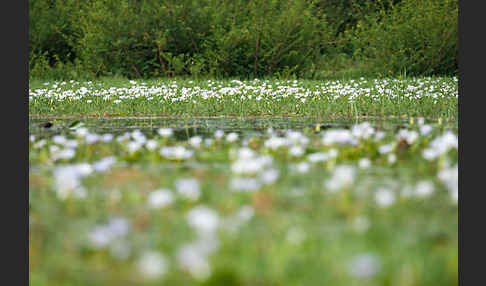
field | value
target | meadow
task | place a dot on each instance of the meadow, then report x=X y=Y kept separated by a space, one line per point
x=229 y=182
x=346 y=98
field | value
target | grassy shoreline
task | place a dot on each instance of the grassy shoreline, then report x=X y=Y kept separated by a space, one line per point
x=431 y=97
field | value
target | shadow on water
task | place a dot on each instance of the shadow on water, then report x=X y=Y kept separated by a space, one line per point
x=188 y=127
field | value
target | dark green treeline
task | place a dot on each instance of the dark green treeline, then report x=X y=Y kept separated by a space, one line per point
x=241 y=38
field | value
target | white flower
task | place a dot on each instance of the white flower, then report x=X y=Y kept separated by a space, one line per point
x=251 y=165
x=153 y=265
x=275 y=142
x=342 y=177
x=269 y=176
x=385 y=197
x=318 y=157
x=133 y=146
x=218 y=134
x=302 y=167
x=364 y=163
x=449 y=177
x=363 y=130
x=392 y=158
x=385 y=149
x=59 y=139
x=107 y=137
x=409 y=136
x=203 y=219
x=104 y=164
x=193 y=260
x=160 y=198
x=68 y=180
x=231 y=137
x=177 y=152
x=165 y=132
x=188 y=188
x=151 y=144
x=425 y=129
x=338 y=136
x=82 y=131
x=296 y=151
x=65 y=154
x=244 y=184
x=424 y=189
x=195 y=141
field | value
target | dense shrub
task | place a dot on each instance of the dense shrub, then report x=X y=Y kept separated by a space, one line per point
x=414 y=36
x=241 y=38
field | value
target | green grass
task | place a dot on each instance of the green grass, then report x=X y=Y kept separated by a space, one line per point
x=435 y=97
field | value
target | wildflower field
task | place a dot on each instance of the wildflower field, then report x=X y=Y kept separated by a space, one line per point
x=263 y=182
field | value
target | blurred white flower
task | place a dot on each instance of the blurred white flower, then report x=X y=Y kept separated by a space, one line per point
x=59 y=139
x=244 y=184
x=302 y=167
x=107 y=137
x=338 y=136
x=193 y=260
x=218 y=134
x=449 y=177
x=203 y=219
x=151 y=144
x=275 y=142
x=387 y=148
x=424 y=188
x=68 y=180
x=363 y=130
x=160 y=198
x=195 y=141
x=318 y=157
x=425 y=129
x=165 y=132
x=176 y=152
x=231 y=137
x=384 y=197
x=296 y=151
x=269 y=176
x=133 y=146
x=104 y=164
x=409 y=136
x=188 y=188
x=342 y=177
x=153 y=265
x=364 y=163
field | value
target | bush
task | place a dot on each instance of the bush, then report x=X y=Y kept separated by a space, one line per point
x=241 y=38
x=414 y=36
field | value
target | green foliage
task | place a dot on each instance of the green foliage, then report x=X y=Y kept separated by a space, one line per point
x=415 y=37
x=242 y=38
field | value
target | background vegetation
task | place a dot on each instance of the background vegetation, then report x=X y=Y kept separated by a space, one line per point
x=73 y=39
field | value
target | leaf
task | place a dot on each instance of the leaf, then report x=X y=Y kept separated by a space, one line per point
x=76 y=124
